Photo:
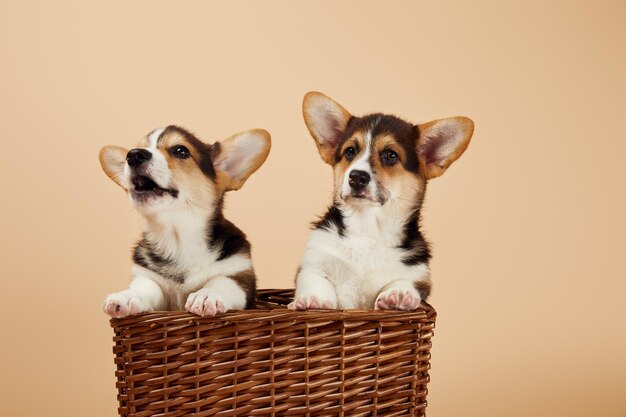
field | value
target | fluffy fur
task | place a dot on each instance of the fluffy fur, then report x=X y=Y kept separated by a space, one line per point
x=189 y=256
x=367 y=251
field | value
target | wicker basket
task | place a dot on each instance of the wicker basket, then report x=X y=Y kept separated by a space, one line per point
x=274 y=362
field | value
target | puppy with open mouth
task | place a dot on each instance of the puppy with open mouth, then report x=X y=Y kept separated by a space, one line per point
x=367 y=251
x=189 y=256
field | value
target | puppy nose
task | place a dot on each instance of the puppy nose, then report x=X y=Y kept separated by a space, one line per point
x=138 y=156
x=359 y=179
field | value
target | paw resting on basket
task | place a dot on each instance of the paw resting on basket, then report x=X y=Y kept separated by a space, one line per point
x=311 y=302
x=124 y=303
x=398 y=299
x=205 y=302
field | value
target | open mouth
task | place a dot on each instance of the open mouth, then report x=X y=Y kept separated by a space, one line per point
x=145 y=185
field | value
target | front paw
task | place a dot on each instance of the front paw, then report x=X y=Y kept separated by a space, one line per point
x=398 y=299
x=312 y=302
x=205 y=302
x=123 y=304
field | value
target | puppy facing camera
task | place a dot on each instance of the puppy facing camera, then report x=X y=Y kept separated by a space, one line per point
x=367 y=251
x=189 y=256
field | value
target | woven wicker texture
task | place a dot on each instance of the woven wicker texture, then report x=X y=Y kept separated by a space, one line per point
x=274 y=362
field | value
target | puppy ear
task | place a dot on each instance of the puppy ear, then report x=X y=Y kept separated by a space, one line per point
x=112 y=160
x=237 y=157
x=326 y=120
x=441 y=142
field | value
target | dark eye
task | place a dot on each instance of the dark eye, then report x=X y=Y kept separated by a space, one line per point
x=389 y=157
x=349 y=153
x=180 y=152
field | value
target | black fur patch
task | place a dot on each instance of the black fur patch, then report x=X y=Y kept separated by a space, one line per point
x=226 y=236
x=414 y=243
x=204 y=151
x=332 y=218
x=145 y=254
x=247 y=282
x=423 y=288
x=138 y=255
x=383 y=124
x=222 y=235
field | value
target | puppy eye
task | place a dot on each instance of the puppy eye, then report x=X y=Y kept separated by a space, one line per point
x=389 y=157
x=349 y=153
x=180 y=152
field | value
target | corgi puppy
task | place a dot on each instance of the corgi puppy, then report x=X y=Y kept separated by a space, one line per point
x=367 y=251
x=189 y=256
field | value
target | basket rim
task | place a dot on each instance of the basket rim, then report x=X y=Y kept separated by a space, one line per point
x=272 y=360
x=279 y=314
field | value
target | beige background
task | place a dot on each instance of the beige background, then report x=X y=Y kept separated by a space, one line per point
x=527 y=227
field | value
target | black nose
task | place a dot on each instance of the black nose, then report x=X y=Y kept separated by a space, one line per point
x=138 y=156
x=359 y=179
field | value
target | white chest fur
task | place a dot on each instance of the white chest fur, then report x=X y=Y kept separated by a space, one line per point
x=183 y=239
x=363 y=261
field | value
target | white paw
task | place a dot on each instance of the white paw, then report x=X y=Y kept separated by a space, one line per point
x=312 y=302
x=124 y=303
x=205 y=302
x=398 y=299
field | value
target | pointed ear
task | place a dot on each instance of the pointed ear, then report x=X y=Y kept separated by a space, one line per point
x=326 y=120
x=441 y=142
x=112 y=160
x=237 y=157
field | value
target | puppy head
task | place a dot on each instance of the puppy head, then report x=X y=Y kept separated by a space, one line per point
x=171 y=168
x=379 y=158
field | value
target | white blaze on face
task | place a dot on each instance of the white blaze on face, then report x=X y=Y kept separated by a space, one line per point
x=153 y=138
x=157 y=168
x=361 y=163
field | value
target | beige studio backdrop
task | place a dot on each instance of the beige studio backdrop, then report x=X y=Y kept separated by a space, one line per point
x=527 y=227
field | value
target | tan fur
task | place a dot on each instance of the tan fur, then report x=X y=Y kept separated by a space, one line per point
x=465 y=129
x=310 y=99
x=112 y=160
x=204 y=191
x=340 y=168
x=227 y=183
x=171 y=139
x=454 y=133
x=388 y=142
x=186 y=167
x=406 y=187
